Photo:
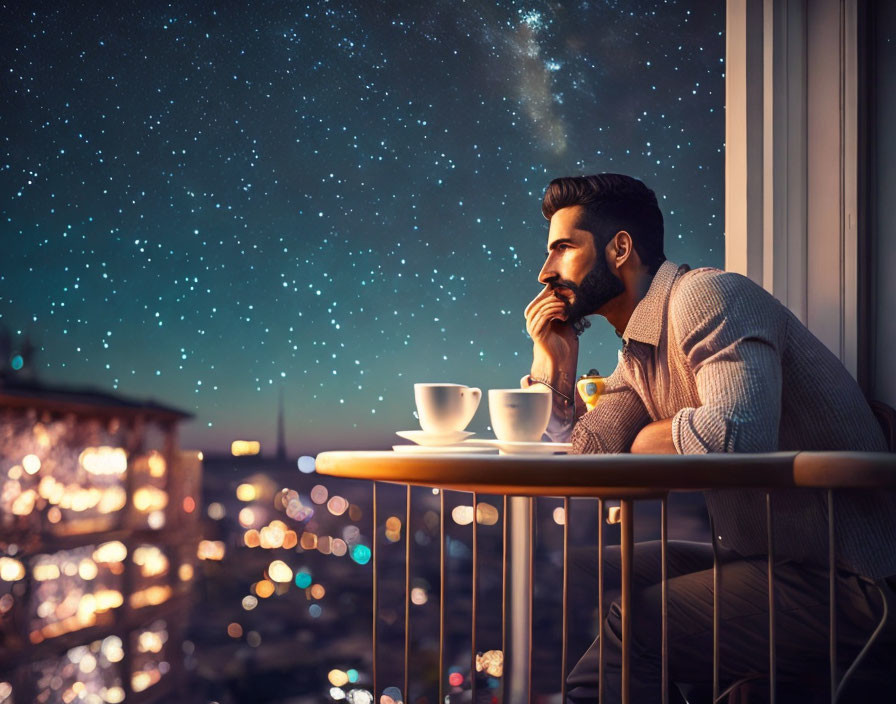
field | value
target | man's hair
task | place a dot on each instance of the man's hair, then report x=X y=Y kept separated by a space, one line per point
x=615 y=202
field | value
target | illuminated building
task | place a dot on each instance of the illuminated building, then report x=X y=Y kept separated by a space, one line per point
x=98 y=546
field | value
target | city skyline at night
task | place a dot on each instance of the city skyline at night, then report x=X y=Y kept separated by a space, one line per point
x=208 y=204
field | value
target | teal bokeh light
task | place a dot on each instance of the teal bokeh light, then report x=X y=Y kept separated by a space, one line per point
x=361 y=554
x=303 y=579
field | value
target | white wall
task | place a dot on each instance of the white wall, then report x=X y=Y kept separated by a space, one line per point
x=884 y=204
x=791 y=166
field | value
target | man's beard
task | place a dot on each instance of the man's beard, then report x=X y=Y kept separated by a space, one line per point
x=598 y=287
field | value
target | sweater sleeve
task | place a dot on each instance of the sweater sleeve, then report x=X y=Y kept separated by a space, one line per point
x=615 y=421
x=727 y=327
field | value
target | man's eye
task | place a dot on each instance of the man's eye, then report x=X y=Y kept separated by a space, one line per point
x=556 y=248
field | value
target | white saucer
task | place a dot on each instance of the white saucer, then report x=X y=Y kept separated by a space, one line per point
x=421 y=437
x=444 y=449
x=524 y=448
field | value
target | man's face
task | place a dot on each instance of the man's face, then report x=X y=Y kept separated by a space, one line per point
x=574 y=269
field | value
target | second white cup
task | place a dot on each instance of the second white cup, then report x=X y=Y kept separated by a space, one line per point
x=519 y=415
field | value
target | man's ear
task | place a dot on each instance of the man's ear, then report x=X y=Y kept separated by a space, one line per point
x=621 y=248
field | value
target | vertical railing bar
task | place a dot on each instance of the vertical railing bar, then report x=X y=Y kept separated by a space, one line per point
x=664 y=544
x=626 y=548
x=885 y=602
x=832 y=598
x=475 y=589
x=375 y=600
x=531 y=593
x=772 y=654
x=600 y=601
x=407 y=594
x=716 y=580
x=565 y=636
x=503 y=605
x=442 y=538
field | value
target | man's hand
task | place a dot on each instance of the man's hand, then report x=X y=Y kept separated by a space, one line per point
x=655 y=439
x=555 y=343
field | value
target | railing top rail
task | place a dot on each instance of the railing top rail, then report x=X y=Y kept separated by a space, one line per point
x=860 y=470
x=619 y=475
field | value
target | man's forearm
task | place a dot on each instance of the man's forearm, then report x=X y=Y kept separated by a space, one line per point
x=559 y=374
x=561 y=377
x=655 y=439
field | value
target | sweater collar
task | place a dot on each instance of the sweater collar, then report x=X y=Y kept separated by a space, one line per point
x=648 y=318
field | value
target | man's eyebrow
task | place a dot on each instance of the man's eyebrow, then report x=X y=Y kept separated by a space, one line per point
x=562 y=240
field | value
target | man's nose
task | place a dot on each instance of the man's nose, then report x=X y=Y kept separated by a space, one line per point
x=547 y=273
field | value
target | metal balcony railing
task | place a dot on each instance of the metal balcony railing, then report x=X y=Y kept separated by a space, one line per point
x=623 y=478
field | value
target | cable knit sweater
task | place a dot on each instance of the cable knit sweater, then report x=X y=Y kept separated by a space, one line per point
x=737 y=372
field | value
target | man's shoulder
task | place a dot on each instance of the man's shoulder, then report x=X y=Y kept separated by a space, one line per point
x=710 y=276
x=707 y=285
x=703 y=295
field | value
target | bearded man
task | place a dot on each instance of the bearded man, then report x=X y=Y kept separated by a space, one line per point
x=710 y=362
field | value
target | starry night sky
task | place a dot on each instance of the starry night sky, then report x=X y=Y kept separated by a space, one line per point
x=206 y=202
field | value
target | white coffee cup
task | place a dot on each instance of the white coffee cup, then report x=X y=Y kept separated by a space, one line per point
x=519 y=415
x=445 y=408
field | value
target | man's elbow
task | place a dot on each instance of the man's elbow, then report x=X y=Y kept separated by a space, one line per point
x=752 y=437
x=584 y=442
x=593 y=438
x=705 y=430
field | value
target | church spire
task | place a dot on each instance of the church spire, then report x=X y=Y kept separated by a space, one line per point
x=281 y=434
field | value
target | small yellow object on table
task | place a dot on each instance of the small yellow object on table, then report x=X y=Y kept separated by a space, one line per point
x=590 y=386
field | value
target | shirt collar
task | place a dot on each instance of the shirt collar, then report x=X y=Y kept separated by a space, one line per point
x=648 y=318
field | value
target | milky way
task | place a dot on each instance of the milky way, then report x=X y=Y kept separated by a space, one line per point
x=208 y=203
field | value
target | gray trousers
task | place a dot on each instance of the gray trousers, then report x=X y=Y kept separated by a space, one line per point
x=801 y=598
